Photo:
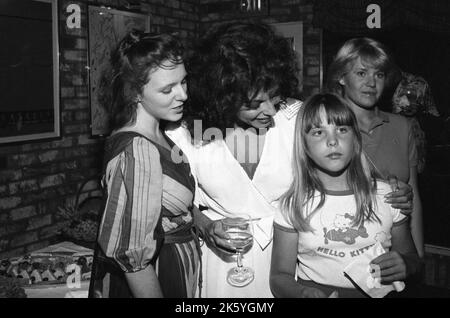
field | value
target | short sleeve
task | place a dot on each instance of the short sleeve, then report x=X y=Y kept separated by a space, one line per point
x=133 y=207
x=280 y=221
x=384 y=188
x=397 y=217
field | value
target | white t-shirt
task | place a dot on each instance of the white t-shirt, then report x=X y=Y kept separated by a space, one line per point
x=335 y=243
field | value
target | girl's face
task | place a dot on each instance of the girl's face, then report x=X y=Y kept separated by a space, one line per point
x=363 y=84
x=164 y=94
x=331 y=147
x=260 y=111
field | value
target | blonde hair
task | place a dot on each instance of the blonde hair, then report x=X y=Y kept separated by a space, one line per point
x=296 y=203
x=370 y=51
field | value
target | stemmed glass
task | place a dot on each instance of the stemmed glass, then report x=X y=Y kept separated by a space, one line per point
x=240 y=231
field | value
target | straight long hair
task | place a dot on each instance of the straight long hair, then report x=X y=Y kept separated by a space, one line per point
x=297 y=204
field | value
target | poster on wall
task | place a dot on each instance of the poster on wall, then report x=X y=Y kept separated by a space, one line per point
x=106 y=27
x=29 y=71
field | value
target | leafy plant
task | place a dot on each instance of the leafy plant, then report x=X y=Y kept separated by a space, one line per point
x=80 y=222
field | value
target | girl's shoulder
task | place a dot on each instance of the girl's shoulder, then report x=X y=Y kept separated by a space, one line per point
x=281 y=220
x=382 y=187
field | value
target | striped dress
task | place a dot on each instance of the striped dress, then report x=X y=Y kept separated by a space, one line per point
x=147 y=219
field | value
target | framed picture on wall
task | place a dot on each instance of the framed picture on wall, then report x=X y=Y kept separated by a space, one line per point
x=29 y=71
x=293 y=32
x=106 y=27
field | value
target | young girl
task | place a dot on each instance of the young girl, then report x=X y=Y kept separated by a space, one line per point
x=334 y=210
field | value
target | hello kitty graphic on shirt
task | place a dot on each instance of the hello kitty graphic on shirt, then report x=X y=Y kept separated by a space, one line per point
x=343 y=230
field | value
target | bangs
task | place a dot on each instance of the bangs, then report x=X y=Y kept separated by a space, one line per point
x=374 y=58
x=335 y=112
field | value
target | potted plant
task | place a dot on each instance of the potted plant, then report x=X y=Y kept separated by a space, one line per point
x=80 y=221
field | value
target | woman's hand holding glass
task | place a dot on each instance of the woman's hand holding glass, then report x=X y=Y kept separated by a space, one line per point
x=240 y=233
x=214 y=236
x=231 y=235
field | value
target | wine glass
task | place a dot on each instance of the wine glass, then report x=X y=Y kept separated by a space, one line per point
x=240 y=232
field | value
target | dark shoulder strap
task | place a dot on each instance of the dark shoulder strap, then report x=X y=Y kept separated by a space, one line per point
x=117 y=143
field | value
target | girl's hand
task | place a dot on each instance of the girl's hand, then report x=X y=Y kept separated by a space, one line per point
x=392 y=267
x=401 y=197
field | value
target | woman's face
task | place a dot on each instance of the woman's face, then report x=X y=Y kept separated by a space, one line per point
x=164 y=94
x=363 y=85
x=260 y=111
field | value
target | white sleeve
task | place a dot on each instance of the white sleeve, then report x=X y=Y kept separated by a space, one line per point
x=397 y=216
x=182 y=138
x=281 y=220
x=384 y=188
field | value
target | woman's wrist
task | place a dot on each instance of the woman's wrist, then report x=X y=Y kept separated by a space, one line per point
x=203 y=224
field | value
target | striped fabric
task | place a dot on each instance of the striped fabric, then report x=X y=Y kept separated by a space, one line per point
x=148 y=193
x=133 y=206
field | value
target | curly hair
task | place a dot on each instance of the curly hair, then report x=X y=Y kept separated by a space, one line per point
x=135 y=57
x=230 y=65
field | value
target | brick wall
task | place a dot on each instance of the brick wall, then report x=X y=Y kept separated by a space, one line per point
x=214 y=11
x=38 y=177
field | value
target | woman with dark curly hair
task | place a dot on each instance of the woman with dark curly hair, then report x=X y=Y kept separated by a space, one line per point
x=231 y=66
x=241 y=120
